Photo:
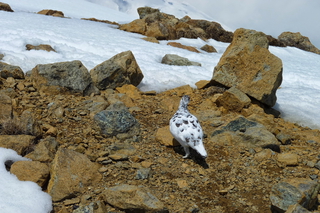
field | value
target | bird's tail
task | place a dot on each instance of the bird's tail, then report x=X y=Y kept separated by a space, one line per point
x=201 y=150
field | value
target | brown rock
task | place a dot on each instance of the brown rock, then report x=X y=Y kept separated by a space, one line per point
x=265 y=154
x=103 y=21
x=299 y=41
x=151 y=39
x=44 y=151
x=19 y=143
x=288 y=159
x=5 y=7
x=71 y=174
x=212 y=29
x=55 y=13
x=136 y=26
x=130 y=90
x=7 y=70
x=31 y=171
x=233 y=99
x=143 y=11
x=209 y=49
x=184 y=30
x=5 y=107
x=164 y=137
x=133 y=198
x=29 y=124
x=176 y=44
x=121 y=69
x=202 y=84
x=248 y=65
x=297 y=208
x=45 y=47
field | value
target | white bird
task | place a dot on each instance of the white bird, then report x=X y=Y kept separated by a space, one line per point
x=186 y=129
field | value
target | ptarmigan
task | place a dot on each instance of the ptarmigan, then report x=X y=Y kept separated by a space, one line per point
x=186 y=129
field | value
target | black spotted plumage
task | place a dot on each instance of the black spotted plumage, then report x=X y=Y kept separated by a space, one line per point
x=186 y=129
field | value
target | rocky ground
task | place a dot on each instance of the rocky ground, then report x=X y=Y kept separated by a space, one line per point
x=236 y=177
x=98 y=144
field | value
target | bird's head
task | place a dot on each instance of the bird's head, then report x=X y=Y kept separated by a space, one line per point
x=184 y=101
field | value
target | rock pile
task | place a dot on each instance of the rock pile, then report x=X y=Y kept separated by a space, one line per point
x=162 y=26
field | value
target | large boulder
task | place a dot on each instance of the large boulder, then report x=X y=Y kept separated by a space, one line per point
x=71 y=173
x=212 y=30
x=5 y=7
x=62 y=77
x=132 y=198
x=294 y=191
x=119 y=70
x=244 y=132
x=297 y=40
x=7 y=70
x=248 y=65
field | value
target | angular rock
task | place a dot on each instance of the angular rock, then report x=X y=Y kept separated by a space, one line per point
x=142 y=174
x=19 y=143
x=7 y=70
x=93 y=207
x=184 y=30
x=5 y=7
x=247 y=132
x=44 y=151
x=122 y=148
x=299 y=41
x=121 y=69
x=143 y=11
x=29 y=124
x=31 y=171
x=233 y=99
x=132 y=198
x=130 y=90
x=164 y=137
x=136 y=26
x=5 y=108
x=71 y=173
x=45 y=47
x=294 y=191
x=55 y=13
x=172 y=59
x=208 y=48
x=116 y=119
x=288 y=159
x=212 y=30
x=56 y=78
x=297 y=208
x=176 y=44
x=248 y=65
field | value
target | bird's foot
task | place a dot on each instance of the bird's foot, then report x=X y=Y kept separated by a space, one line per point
x=186 y=156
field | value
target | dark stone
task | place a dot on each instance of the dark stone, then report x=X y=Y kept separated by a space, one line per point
x=116 y=119
x=240 y=124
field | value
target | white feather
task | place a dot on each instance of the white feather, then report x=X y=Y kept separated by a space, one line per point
x=186 y=129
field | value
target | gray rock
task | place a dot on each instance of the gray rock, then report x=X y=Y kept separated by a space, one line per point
x=317 y=165
x=116 y=119
x=132 y=198
x=250 y=133
x=94 y=207
x=119 y=70
x=61 y=77
x=143 y=174
x=172 y=59
x=7 y=70
x=295 y=191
